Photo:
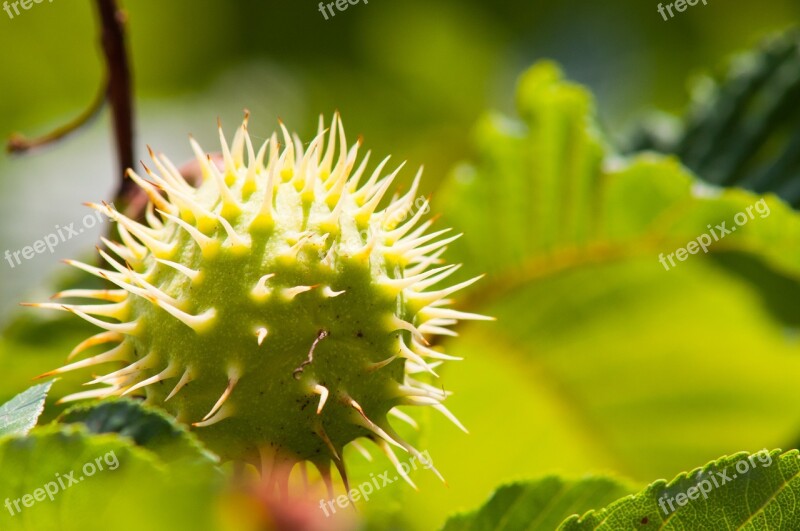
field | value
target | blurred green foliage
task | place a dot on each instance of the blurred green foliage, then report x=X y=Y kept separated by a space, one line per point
x=410 y=76
x=594 y=369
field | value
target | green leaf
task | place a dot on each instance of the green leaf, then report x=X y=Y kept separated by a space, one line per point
x=114 y=485
x=742 y=491
x=36 y=341
x=574 y=278
x=602 y=360
x=548 y=195
x=20 y=414
x=741 y=130
x=148 y=427
x=539 y=505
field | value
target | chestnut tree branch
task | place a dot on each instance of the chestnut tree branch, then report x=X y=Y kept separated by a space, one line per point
x=116 y=90
x=120 y=91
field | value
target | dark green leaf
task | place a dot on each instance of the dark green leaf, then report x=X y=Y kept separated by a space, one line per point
x=742 y=130
x=148 y=427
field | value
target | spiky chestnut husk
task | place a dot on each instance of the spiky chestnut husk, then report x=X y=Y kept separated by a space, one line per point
x=273 y=306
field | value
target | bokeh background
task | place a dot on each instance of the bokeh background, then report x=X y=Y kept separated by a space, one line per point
x=413 y=78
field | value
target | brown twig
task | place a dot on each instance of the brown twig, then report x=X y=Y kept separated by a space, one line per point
x=18 y=143
x=116 y=89
x=120 y=92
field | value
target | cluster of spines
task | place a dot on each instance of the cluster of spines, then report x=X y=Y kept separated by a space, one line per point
x=175 y=204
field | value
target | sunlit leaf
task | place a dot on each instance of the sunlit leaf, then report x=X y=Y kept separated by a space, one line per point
x=62 y=477
x=19 y=415
x=538 y=505
x=601 y=359
x=742 y=491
